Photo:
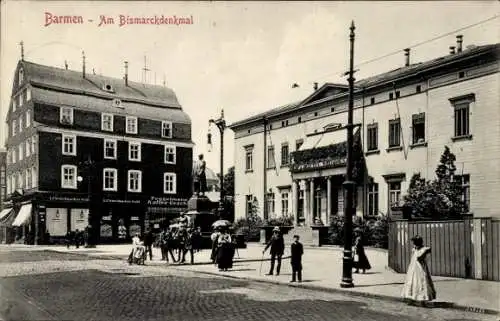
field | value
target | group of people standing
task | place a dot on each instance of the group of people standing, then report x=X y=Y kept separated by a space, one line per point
x=75 y=238
x=223 y=248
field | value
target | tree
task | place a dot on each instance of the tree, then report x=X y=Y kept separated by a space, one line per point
x=440 y=198
x=229 y=182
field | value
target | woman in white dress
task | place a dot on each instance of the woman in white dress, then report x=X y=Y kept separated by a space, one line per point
x=418 y=285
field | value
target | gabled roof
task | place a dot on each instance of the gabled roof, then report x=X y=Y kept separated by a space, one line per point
x=377 y=80
x=72 y=81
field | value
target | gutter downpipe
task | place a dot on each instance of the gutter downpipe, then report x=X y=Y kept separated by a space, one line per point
x=264 y=172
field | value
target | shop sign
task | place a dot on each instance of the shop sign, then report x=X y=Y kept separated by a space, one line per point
x=119 y=201
x=68 y=199
x=134 y=218
x=167 y=201
x=319 y=164
x=106 y=218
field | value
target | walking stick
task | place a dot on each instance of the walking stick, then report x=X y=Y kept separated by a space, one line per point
x=261 y=261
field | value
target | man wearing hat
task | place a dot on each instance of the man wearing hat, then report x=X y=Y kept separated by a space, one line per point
x=277 y=244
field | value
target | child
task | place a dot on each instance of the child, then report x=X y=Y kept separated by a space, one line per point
x=418 y=284
x=297 y=251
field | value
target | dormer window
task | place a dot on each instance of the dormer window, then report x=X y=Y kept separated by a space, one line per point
x=131 y=125
x=107 y=122
x=166 y=129
x=108 y=87
x=66 y=115
x=20 y=77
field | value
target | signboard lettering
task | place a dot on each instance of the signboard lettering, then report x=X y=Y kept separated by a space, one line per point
x=167 y=201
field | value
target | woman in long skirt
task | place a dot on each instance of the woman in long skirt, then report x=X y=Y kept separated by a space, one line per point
x=418 y=283
x=360 y=258
x=224 y=259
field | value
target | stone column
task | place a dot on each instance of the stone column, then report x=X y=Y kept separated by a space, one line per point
x=312 y=209
x=295 y=202
x=328 y=200
x=306 y=203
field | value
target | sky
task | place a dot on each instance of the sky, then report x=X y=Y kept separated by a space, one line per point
x=239 y=56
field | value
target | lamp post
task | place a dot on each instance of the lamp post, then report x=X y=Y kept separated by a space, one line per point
x=221 y=125
x=349 y=184
x=88 y=164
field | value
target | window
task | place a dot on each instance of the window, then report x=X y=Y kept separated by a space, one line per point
x=14 y=104
x=300 y=119
x=332 y=110
x=249 y=205
x=248 y=158
x=134 y=151
x=372 y=100
x=20 y=77
x=394 y=194
x=109 y=149
x=134 y=181
x=27 y=147
x=298 y=143
x=69 y=145
x=462 y=120
x=68 y=176
x=34 y=177
x=20 y=151
x=391 y=96
x=13 y=156
x=28 y=94
x=461 y=74
x=131 y=127
x=464 y=181
x=419 y=88
x=398 y=94
x=13 y=183
x=20 y=180
x=270 y=204
x=284 y=203
x=271 y=162
x=33 y=144
x=169 y=183
x=285 y=154
x=27 y=177
x=14 y=128
x=66 y=116
x=28 y=119
x=372 y=195
x=394 y=132
x=169 y=154
x=109 y=179
x=166 y=129
x=372 y=136
x=418 y=126
x=315 y=114
x=20 y=123
x=20 y=100
x=107 y=122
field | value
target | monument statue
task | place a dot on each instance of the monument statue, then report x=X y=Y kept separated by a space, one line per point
x=199 y=176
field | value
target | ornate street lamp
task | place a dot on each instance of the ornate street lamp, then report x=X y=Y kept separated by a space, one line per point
x=349 y=184
x=221 y=125
x=89 y=164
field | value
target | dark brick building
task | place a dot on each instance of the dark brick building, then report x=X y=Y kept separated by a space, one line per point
x=78 y=142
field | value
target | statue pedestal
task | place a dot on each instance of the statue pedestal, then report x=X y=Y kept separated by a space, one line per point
x=199 y=204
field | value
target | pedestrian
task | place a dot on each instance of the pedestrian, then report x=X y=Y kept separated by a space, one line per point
x=214 y=237
x=418 y=285
x=297 y=250
x=197 y=239
x=163 y=243
x=148 y=243
x=360 y=258
x=224 y=258
x=169 y=245
x=188 y=246
x=77 y=238
x=277 y=245
x=68 y=239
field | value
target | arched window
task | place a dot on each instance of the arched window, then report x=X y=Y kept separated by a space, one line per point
x=21 y=76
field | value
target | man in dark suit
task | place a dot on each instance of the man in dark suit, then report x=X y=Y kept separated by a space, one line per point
x=277 y=244
x=297 y=250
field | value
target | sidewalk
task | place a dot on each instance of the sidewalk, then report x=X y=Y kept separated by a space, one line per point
x=323 y=271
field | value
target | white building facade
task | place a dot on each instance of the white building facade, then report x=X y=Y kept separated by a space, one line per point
x=404 y=120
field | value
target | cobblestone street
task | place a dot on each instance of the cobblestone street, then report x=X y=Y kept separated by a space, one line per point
x=42 y=285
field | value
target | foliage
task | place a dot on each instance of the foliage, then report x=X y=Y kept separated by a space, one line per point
x=375 y=230
x=333 y=151
x=229 y=182
x=285 y=220
x=250 y=226
x=440 y=198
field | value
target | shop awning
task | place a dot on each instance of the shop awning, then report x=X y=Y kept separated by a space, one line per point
x=324 y=139
x=24 y=215
x=5 y=212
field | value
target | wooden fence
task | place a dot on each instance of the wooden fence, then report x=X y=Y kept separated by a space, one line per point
x=468 y=248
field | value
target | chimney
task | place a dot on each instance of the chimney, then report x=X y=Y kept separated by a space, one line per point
x=452 y=50
x=407 y=56
x=83 y=58
x=315 y=86
x=126 y=73
x=66 y=64
x=460 y=39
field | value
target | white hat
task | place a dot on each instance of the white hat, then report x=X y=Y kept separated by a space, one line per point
x=276 y=228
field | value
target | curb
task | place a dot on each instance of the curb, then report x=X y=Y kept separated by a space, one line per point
x=432 y=304
x=443 y=305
